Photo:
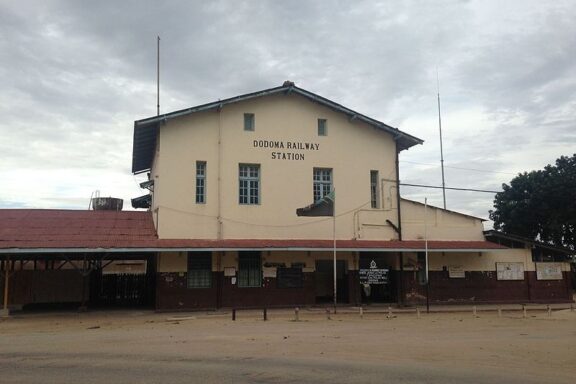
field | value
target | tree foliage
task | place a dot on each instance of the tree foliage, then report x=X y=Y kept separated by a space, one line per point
x=540 y=205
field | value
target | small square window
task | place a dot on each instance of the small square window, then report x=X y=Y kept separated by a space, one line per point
x=249 y=122
x=322 y=127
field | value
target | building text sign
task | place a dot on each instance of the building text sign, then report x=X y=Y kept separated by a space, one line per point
x=287 y=150
x=374 y=275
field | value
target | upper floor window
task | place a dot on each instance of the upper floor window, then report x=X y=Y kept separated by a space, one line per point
x=322 y=182
x=249 y=122
x=374 y=200
x=200 y=182
x=249 y=182
x=322 y=127
x=199 y=269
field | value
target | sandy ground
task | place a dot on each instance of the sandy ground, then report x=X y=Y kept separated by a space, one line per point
x=146 y=347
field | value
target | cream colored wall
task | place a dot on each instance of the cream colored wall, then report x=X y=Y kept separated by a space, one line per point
x=352 y=149
x=478 y=261
x=470 y=261
x=481 y=261
x=440 y=224
x=178 y=261
x=172 y=262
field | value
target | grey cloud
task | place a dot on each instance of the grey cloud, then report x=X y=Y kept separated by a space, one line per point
x=76 y=74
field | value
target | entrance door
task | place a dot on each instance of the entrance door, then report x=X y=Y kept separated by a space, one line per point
x=324 y=277
x=385 y=290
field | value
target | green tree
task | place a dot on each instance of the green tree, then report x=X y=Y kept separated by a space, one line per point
x=540 y=205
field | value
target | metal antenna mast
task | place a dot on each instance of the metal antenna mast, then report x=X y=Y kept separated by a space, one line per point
x=158 y=77
x=441 y=148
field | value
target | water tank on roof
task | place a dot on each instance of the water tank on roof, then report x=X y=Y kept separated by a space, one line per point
x=107 y=204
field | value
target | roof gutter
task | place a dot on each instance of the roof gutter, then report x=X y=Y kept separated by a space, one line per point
x=225 y=249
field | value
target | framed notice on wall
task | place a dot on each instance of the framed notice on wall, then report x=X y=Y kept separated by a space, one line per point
x=510 y=271
x=456 y=272
x=548 y=271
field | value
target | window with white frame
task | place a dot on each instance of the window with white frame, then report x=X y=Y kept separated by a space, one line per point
x=322 y=127
x=249 y=122
x=322 y=182
x=374 y=200
x=200 y=182
x=249 y=183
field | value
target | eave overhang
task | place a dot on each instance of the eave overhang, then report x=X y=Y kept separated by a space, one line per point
x=191 y=245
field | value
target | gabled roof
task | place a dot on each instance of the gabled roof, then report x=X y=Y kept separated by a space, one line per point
x=442 y=209
x=146 y=130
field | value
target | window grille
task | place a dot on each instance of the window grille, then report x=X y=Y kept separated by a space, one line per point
x=249 y=182
x=249 y=269
x=200 y=182
x=199 y=269
x=322 y=182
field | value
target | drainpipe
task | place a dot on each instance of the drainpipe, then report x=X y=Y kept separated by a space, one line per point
x=401 y=255
x=220 y=276
x=220 y=235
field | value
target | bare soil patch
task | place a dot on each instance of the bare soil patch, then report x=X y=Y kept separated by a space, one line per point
x=145 y=346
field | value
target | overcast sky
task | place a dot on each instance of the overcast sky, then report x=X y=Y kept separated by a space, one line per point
x=75 y=75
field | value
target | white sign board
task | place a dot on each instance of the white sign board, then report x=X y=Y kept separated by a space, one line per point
x=456 y=272
x=229 y=271
x=269 y=272
x=548 y=271
x=510 y=271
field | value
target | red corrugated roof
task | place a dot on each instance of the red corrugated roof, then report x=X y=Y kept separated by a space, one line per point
x=58 y=228
x=30 y=229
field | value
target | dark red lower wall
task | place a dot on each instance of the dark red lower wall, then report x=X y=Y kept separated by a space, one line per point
x=477 y=287
x=550 y=290
x=483 y=287
x=41 y=286
x=354 y=293
x=173 y=294
x=269 y=295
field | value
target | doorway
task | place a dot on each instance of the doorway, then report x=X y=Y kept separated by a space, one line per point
x=324 y=278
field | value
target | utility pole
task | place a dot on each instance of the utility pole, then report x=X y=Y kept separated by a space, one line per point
x=441 y=148
x=158 y=76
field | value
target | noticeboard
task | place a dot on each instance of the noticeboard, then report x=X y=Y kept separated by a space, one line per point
x=456 y=272
x=548 y=271
x=510 y=271
x=374 y=275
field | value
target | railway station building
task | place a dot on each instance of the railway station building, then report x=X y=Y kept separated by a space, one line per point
x=247 y=198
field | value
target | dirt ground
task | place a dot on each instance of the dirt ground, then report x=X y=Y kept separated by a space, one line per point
x=147 y=347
